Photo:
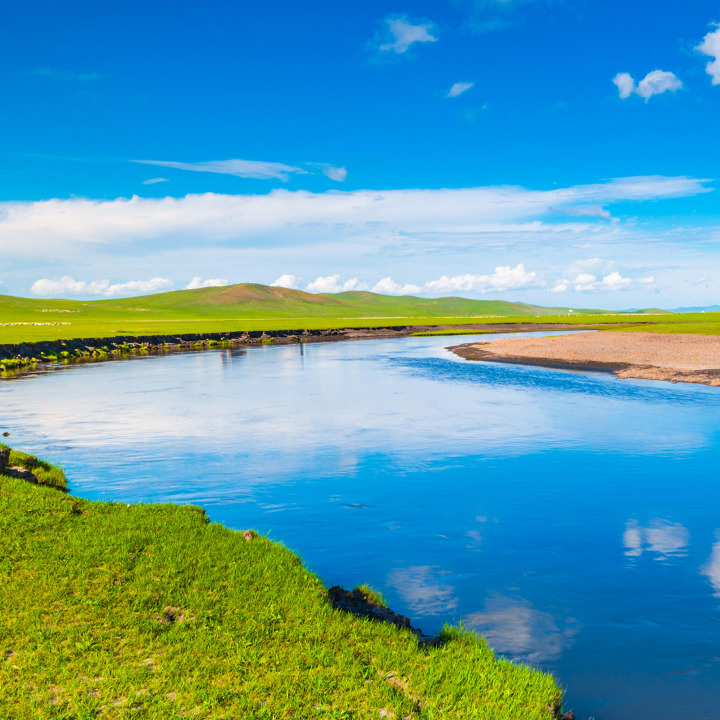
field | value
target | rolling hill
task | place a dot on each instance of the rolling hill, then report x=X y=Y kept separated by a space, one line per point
x=246 y=306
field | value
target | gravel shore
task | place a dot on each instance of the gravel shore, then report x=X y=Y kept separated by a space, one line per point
x=648 y=356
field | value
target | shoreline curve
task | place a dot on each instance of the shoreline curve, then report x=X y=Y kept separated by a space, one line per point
x=642 y=356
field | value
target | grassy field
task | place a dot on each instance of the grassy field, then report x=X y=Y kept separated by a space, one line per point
x=151 y=611
x=257 y=307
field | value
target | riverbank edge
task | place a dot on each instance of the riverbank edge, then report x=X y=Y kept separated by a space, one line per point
x=17 y=356
x=361 y=602
x=621 y=370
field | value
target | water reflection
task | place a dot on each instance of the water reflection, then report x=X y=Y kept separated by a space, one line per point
x=711 y=569
x=422 y=589
x=515 y=628
x=661 y=537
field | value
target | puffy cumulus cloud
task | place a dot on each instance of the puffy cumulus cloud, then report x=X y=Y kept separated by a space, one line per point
x=503 y=278
x=284 y=217
x=615 y=281
x=400 y=33
x=198 y=282
x=663 y=538
x=332 y=284
x=387 y=286
x=625 y=84
x=255 y=169
x=286 y=281
x=710 y=46
x=459 y=88
x=586 y=282
x=69 y=286
x=654 y=83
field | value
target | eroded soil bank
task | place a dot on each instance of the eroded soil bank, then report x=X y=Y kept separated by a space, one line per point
x=647 y=356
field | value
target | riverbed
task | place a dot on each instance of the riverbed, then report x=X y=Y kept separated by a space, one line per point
x=571 y=517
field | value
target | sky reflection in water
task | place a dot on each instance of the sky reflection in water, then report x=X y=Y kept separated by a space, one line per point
x=570 y=517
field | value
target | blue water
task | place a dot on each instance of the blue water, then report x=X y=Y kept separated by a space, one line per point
x=572 y=518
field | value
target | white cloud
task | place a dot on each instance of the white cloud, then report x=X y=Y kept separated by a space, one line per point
x=615 y=281
x=585 y=282
x=654 y=83
x=332 y=284
x=401 y=33
x=459 y=88
x=286 y=281
x=153 y=181
x=657 y=82
x=648 y=283
x=588 y=211
x=362 y=221
x=240 y=168
x=503 y=278
x=198 y=282
x=625 y=84
x=338 y=174
x=710 y=46
x=387 y=286
x=68 y=286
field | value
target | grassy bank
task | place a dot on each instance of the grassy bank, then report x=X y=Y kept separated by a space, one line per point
x=150 y=611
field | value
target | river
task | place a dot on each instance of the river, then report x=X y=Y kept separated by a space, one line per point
x=570 y=517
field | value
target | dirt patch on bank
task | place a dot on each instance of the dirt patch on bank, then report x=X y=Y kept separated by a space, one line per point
x=647 y=356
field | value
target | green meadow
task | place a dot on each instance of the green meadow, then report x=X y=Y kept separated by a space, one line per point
x=153 y=611
x=258 y=307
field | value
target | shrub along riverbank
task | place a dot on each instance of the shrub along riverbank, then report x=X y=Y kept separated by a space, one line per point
x=151 y=611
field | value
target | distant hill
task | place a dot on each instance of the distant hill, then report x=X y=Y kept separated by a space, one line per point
x=250 y=300
x=249 y=306
x=706 y=308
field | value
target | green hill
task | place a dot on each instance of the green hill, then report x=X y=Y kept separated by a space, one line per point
x=246 y=306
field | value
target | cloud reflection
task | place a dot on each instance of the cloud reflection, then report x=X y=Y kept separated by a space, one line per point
x=661 y=537
x=711 y=569
x=420 y=589
x=516 y=629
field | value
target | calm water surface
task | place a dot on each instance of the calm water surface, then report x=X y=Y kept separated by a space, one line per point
x=572 y=518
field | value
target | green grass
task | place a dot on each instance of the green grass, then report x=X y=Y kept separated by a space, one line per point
x=46 y=474
x=150 y=611
x=372 y=595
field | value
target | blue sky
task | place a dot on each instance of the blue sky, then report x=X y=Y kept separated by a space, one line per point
x=550 y=151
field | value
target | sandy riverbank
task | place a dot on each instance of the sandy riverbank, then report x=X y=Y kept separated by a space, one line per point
x=648 y=356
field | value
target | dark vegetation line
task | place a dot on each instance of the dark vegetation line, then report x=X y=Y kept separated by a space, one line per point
x=14 y=356
x=152 y=611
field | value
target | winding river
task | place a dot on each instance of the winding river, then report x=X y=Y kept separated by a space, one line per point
x=572 y=518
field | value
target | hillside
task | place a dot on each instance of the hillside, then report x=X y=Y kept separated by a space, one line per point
x=246 y=306
x=250 y=300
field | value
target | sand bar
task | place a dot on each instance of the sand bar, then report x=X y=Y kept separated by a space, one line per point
x=648 y=356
